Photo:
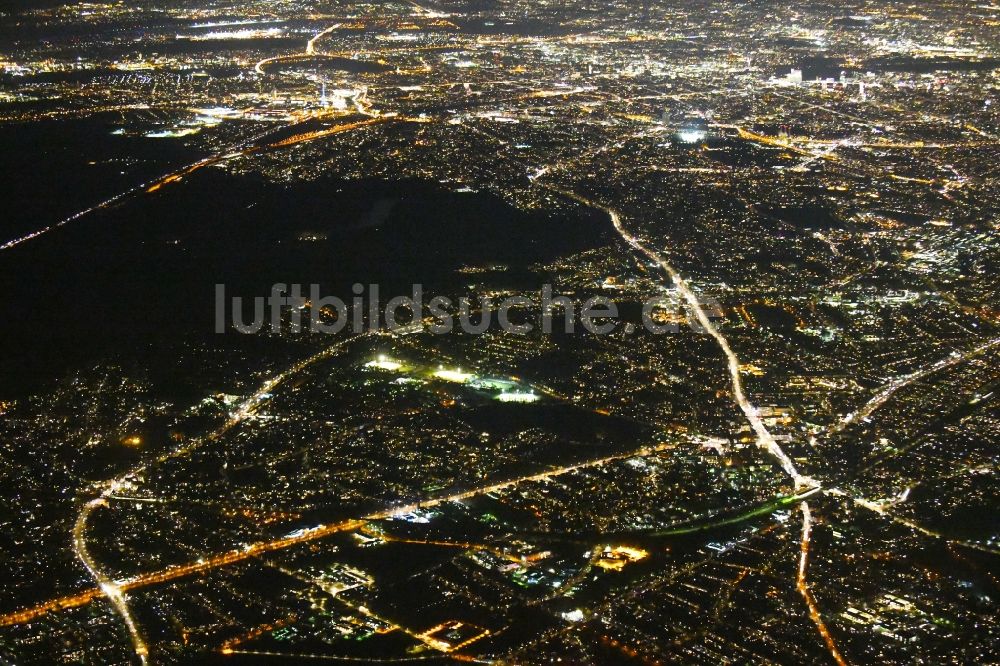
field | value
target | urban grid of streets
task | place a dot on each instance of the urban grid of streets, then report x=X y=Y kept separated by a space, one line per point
x=809 y=153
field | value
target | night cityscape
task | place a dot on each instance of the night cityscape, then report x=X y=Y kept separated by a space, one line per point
x=500 y=332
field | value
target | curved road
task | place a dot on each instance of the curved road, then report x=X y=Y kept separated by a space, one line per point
x=764 y=438
x=110 y=588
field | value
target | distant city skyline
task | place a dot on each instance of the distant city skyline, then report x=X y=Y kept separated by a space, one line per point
x=499 y=332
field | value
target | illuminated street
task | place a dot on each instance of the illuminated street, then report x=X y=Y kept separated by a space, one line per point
x=500 y=332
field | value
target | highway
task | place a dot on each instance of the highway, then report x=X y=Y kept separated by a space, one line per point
x=114 y=590
x=151 y=186
x=764 y=438
x=254 y=550
x=110 y=588
x=887 y=391
x=148 y=186
x=870 y=407
x=297 y=657
x=311 y=44
x=882 y=509
x=803 y=587
x=245 y=148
